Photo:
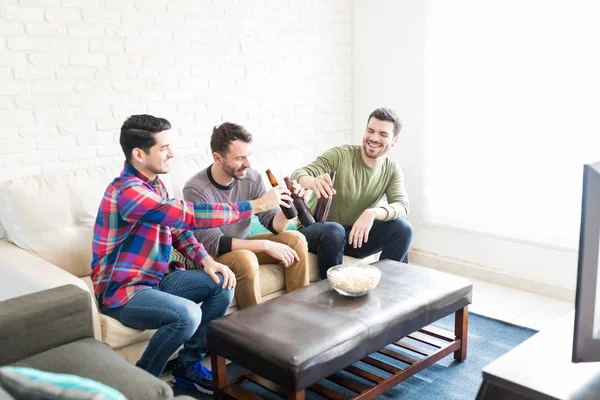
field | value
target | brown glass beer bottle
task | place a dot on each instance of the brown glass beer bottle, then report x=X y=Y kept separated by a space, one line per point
x=288 y=212
x=324 y=204
x=304 y=214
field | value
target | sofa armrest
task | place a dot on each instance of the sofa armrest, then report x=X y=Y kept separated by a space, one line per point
x=23 y=273
x=40 y=321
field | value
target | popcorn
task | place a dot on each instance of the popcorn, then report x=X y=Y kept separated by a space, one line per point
x=354 y=279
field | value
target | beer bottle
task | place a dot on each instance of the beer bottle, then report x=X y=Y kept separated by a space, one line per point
x=304 y=214
x=324 y=204
x=288 y=212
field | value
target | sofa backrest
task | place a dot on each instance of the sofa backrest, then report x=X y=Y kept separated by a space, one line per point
x=52 y=214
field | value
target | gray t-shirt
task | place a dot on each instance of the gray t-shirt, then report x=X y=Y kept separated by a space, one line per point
x=203 y=188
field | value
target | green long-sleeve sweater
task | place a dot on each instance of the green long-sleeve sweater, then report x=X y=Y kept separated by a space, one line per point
x=359 y=186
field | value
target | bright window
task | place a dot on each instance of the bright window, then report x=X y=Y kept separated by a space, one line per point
x=512 y=111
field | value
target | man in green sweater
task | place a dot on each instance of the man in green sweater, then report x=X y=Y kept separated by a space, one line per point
x=358 y=225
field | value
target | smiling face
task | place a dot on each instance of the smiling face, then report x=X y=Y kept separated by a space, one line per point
x=379 y=138
x=236 y=161
x=156 y=161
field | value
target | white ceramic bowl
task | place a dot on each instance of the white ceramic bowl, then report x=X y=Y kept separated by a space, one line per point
x=353 y=279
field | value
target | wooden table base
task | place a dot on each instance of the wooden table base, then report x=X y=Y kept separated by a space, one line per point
x=439 y=343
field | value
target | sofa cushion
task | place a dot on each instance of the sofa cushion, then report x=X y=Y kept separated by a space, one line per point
x=117 y=335
x=28 y=383
x=92 y=359
x=60 y=232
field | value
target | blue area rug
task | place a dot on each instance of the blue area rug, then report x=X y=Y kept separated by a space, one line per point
x=447 y=379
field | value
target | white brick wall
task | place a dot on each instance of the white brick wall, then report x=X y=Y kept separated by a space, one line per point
x=72 y=70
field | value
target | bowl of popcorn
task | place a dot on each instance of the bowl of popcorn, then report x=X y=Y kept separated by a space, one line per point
x=353 y=279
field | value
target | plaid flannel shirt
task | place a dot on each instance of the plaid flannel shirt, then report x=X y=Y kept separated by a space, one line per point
x=136 y=226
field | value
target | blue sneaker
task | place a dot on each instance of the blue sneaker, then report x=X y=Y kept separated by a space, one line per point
x=196 y=377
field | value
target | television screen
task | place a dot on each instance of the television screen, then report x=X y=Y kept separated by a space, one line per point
x=586 y=338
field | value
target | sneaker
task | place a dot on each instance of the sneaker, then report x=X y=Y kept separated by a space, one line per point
x=196 y=377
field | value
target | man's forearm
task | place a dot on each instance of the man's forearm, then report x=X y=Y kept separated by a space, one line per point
x=280 y=222
x=253 y=245
x=379 y=213
x=186 y=243
x=258 y=206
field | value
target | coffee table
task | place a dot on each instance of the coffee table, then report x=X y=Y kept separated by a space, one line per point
x=290 y=343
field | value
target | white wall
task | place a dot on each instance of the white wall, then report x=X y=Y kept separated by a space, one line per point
x=71 y=71
x=388 y=70
x=388 y=44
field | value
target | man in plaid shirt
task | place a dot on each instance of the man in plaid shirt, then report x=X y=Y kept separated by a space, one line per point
x=136 y=226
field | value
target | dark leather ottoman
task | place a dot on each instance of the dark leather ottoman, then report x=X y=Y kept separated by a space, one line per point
x=299 y=338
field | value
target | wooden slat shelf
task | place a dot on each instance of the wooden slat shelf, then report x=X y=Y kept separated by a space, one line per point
x=438 y=333
x=397 y=356
x=414 y=348
x=381 y=365
x=364 y=374
x=327 y=393
x=426 y=339
x=347 y=383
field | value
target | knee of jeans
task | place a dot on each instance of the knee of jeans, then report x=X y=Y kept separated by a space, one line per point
x=225 y=297
x=190 y=316
x=219 y=292
x=333 y=233
x=403 y=228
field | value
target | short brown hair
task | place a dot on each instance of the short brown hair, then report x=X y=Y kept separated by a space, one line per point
x=226 y=133
x=386 y=114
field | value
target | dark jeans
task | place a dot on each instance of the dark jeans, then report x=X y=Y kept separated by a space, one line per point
x=173 y=309
x=329 y=241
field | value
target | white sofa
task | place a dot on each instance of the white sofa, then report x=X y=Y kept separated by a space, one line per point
x=48 y=221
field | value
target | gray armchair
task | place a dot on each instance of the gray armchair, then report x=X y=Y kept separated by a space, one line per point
x=52 y=331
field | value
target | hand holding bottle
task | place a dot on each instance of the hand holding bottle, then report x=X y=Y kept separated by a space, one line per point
x=304 y=214
x=287 y=208
x=298 y=190
x=324 y=203
x=277 y=196
x=322 y=185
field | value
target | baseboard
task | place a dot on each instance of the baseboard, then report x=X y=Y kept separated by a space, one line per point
x=474 y=271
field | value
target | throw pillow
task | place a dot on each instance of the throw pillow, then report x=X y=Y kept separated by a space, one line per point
x=180 y=261
x=256 y=227
x=29 y=384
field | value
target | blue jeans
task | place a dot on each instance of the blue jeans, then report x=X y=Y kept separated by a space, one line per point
x=172 y=308
x=329 y=241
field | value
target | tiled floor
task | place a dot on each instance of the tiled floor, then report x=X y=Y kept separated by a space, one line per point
x=516 y=306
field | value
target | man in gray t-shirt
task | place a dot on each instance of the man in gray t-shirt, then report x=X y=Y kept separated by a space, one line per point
x=230 y=178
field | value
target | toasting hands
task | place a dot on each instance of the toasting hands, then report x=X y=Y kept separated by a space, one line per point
x=277 y=196
x=299 y=190
x=322 y=186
